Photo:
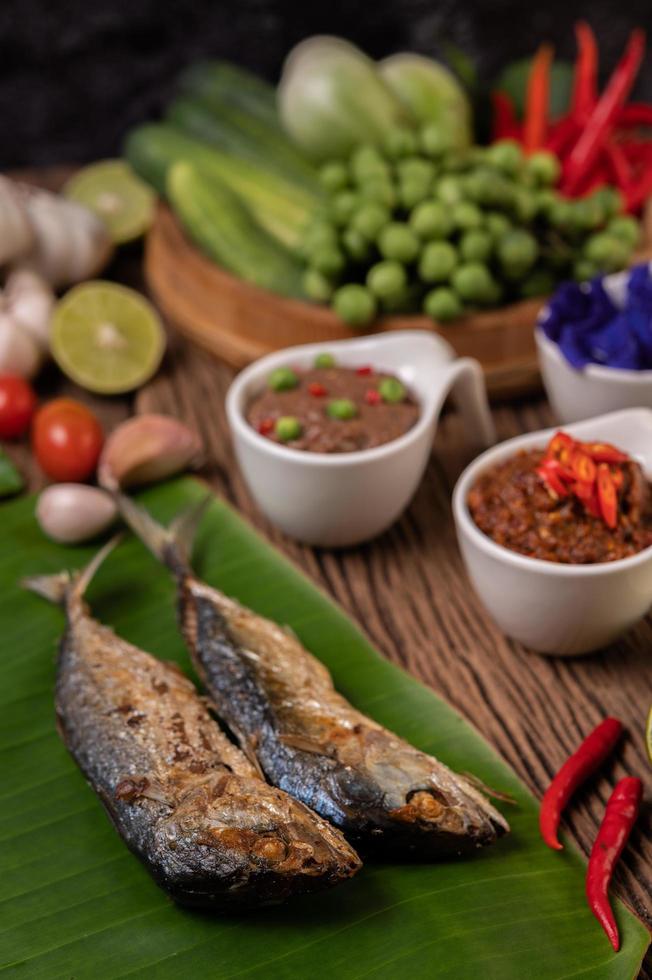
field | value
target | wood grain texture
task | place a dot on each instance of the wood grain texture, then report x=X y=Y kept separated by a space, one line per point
x=408 y=590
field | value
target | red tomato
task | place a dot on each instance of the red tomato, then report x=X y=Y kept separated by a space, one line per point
x=17 y=406
x=66 y=439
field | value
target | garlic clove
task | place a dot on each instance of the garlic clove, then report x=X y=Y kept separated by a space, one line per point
x=29 y=299
x=19 y=352
x=73 y=512
x=16 y=232
x=145 y=449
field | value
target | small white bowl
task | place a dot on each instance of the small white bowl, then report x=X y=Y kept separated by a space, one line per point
x=340 y=499
x=552 y=607
x=595 y=389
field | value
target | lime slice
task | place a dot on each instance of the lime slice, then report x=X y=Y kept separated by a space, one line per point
x=121 y=199
x=648 y=734
x=107 y=338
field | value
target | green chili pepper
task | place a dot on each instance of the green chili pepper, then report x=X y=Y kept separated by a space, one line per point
x=391 y=390
x=283 y=379
x=287 y=428
x=342 y=408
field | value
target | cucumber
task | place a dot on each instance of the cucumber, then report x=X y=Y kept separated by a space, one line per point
x=220 y=224
x=224 y=82
x=281 y=207
x=240 y=134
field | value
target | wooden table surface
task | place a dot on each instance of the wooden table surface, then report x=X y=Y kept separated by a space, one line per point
x=409 y=592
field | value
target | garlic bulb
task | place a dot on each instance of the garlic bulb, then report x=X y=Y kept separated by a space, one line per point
x=144 y=449
x=16 y=233
x=30 y=301
x=70 y=242
x=20 y=354
x=73 y=512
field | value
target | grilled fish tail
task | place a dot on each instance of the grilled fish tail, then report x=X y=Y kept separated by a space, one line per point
x=171 y=545
x=62 y=586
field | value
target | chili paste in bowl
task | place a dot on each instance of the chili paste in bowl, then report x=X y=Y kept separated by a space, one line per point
x=329 y=408
x=573 y=502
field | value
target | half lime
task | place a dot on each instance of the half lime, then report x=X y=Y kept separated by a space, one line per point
x=106 y=337
x=117 y=195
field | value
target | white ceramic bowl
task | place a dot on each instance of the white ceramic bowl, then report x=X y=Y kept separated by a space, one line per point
x=548 y=606
x=582 y=394
x=339 y=499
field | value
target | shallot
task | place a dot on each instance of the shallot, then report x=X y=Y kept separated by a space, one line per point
x=73 y=512
x=145 y=449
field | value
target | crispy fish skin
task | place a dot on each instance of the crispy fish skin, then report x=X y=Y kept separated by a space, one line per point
x=280 y=703
x=184 y=799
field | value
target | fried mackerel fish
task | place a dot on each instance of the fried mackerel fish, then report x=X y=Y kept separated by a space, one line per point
x=279 y=701
x=184 y=799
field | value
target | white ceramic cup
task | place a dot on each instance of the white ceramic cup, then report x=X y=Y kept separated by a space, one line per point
x=552 y=607
x=340 y=499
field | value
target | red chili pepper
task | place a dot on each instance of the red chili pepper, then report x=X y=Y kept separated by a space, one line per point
x=505 y=124
x=585 y=90
x=638 y=195
x=265 y=426
x=578 y=767
x=619 y=818
x=317 y=390
x=607 y=496
x=635 y=114
x=549 y=471
x=562 y=135
x=372 y=397
x=621 y=173
x=604 y=452
x=364 y=370
x=535 y=127
x=605 y=113
x=583 y=467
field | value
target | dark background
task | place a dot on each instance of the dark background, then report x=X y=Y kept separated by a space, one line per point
x=75 y=74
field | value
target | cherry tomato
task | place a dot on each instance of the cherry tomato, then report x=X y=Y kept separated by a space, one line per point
x=17 y=406
x=66 y=439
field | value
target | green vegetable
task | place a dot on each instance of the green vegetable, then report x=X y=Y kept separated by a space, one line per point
x=391 y=390
x=466 y=216
x=434 y=140
x=442 y=304
x=387 y=280
x=437 y=262
x=413 y=192
x=398 y=241
x=513 y=81
x=517 y=252
x=343 y=205
x=282 y=208
x=431 y=219
x=320 y=234
x=475 y=246
x=324 y=360
x=607 y=251
x=497 y=224
x=626 y=228
x=219 y=82
x=369 y=219
x=400 y=142
x=355 y=244
x=431 y=94
x=342 y=408
x=242 y=136
x=505 y=155
x=11 y=482
x=331 y=98
x=354 y=304
x=415 y=169
x=583 y=270
x=334 y=175
x=282 y=379
x=472 y=282
x=287 y=428
x=544 y=167
x=317 y=286
x=328 y=260
x=221 y=225
x=540 y=282
x=449 y=190
x=366 y=163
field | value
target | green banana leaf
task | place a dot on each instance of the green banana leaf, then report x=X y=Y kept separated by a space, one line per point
x=75 y=903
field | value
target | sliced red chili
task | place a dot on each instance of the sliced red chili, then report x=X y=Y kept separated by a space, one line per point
x=560 y=442
x=583 y=467
x=317 y=390
x=607 y=496
x=604 y=452
x=587 y=494
x=364 y=370
x=595 y=748
x=617 y=476
x=548 y=470
x=265 y=426
x=372 y=397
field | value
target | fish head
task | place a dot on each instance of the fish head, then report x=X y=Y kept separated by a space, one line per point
x=233 y=834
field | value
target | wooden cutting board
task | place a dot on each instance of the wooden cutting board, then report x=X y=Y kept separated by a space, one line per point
x=239 y=322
